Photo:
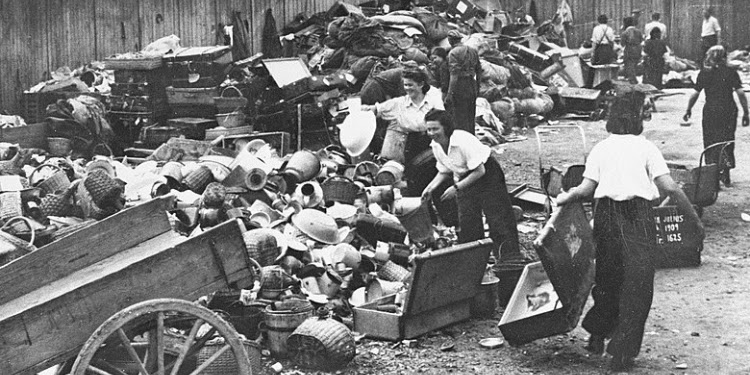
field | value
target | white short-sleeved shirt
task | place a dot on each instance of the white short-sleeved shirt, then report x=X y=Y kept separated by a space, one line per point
x=624 y=167
x=465 y=153
x=404 y=115
x=655 y=25
x=710 y=26
x=603 y=34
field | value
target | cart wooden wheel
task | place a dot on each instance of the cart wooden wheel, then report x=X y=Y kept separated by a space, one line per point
x=160 y=337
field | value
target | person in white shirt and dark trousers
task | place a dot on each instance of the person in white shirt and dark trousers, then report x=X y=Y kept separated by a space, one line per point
x=625 y=173
x=478 y=184
x=655 y=24
x=710 y=32
x=603 y=40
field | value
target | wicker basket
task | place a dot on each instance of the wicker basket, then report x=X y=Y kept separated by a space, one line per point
x=339 y=189
x=104 y=190
x=198 y=179
x=391 y=271
x=226 y=364
x=57 y=182
x=58 y=204
x=11 y=205
x=261 y=246
x=58 y=146
x=226 y=104
x=321 y=343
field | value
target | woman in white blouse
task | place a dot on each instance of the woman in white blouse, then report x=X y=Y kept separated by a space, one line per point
x=478 y=184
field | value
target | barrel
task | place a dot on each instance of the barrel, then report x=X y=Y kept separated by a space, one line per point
x=279 y=325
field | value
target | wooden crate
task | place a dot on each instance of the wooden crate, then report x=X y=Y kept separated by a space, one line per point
x=442 y=286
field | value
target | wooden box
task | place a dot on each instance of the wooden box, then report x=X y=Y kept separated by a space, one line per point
x=442 y=285
x=676 y=242
x=550 y=295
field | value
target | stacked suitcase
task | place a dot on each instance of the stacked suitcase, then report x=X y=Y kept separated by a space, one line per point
x=138 y=100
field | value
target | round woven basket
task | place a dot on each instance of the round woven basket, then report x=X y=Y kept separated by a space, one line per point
x=321 y=343
x=391 y=271
x=58 y=146
x=226 y=363
x=57 y=182
x=339 y=189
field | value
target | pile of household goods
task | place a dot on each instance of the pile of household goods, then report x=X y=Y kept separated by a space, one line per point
x=325 y=231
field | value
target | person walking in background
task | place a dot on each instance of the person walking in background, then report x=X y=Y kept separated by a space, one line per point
x=655 y=23
x=478 y=184
x=602 y=40
x=439 y=67
x=631 y=40
x=465 y=70
x=653 y=63
x=710 y=32
x=625 y=173
x=720 y=110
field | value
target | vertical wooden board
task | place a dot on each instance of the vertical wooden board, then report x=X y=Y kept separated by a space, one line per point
x=687 y=18
x=259 y=19
x=197 y=19
x=24 y=59
x=323 y=5
x=158 y=19
x=117 y=27
x=71 y=33
x=225 y=8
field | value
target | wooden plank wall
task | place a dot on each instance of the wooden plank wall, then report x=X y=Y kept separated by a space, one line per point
x=37 y=40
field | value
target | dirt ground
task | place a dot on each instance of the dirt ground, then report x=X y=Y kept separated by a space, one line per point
x=698 y=323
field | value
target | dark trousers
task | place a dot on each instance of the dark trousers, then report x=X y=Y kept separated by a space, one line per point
x=624 y=282
x=488 y=195
x=708 y=42
x=463 y=106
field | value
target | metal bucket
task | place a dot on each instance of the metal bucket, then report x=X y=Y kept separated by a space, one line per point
x=418 y=223
x=279 y=325
x=484 y=302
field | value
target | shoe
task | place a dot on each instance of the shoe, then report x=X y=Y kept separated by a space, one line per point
x=725 y=178
x=621 y=363
x=596 y=344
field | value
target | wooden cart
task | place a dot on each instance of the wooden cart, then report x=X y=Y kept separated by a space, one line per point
x=117 y=294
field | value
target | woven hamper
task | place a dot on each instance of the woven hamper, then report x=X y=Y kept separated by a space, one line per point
x=104 y=189
x=339 y=189
x=226 y=364
x=261 y=246
x=321 y=342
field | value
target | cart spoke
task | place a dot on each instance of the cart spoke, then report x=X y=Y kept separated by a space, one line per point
x=210 y=359
x=160 y=342
x=103 y=365
x=131 y=351
x=184 y=350
x=97 y=371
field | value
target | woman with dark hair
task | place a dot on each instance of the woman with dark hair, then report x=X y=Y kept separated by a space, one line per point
x=720 y=110
x=602 y=40
x=654 y=49
x=631 y=39
x=625 y=173
x=405 y=135
x=478 y=185
x=440 y=71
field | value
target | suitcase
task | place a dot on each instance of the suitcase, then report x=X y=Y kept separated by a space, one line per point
x=209 y=63
x=157 y=77
x=131 y=103
x=192 y=127
x=441 y=288
x=550 y=295
x=139 y=89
